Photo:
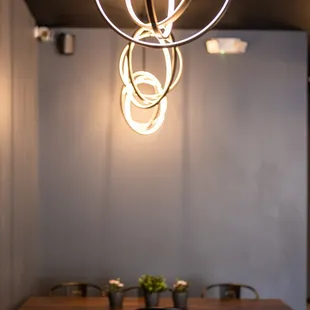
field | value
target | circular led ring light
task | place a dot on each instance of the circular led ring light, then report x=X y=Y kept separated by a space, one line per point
x=128 y=77
x=153 y=19
x=157 y=118
x=124 y=59
x=195 y=36
x=139 y=77
x=171 y=64
x=170 y=67
x=149 y=100
x=171 y=18
x=170 y=83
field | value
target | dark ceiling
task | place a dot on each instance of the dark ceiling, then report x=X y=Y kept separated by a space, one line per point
x=242 y=14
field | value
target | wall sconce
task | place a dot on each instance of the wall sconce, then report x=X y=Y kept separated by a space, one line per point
x=226 y=46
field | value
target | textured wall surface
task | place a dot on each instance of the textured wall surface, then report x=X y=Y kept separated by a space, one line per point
x=5 y=153
x=18 y=155
x=218 y=194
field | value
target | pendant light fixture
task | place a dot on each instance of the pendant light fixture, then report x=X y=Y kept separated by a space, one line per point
x=133 y=95
x=161 y=28
x=161 y=36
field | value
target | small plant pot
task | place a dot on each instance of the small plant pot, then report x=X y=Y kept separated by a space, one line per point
x=151 y=300
x=180 y=300
x=116 y=300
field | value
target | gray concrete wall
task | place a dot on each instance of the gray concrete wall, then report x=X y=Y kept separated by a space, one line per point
x=19 y=260
x=218 y=194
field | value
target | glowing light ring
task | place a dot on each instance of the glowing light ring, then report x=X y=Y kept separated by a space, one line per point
x=153 y=19
x=158 y=117
x=170 y=83
x=131 y=93
x=170 y=69
x=195 y=36
x=123 y=68
x=171 y=64
x=128 y=77
x=171 y=18
x=138 y=77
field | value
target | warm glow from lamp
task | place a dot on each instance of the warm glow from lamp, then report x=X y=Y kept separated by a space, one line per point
x=162 y=32
x=132 y=94
x=162 y=28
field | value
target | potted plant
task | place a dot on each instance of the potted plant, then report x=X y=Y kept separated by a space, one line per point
x=115 y=293
x=152 y=286
x=180 y=294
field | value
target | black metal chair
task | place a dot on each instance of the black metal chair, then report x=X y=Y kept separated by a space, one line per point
x=130 y=289
x=78 y=289
x=230 y=291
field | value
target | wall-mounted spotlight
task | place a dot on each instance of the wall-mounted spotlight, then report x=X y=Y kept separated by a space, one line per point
x=65 y=43
x=43 y=34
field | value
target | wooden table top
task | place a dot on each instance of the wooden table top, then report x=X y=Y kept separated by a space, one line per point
x=101 y=303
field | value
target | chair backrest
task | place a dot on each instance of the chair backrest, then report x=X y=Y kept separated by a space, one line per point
x=78 y=289
x=136 y=289
x=231 y=290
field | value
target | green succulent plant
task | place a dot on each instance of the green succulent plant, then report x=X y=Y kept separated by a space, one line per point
x=152 y=284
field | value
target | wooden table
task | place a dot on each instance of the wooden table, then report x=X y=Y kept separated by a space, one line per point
x=101 y=303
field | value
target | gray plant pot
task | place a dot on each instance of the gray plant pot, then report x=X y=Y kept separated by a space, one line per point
x=116 y=300
x=180 y=300
x=151 y=300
